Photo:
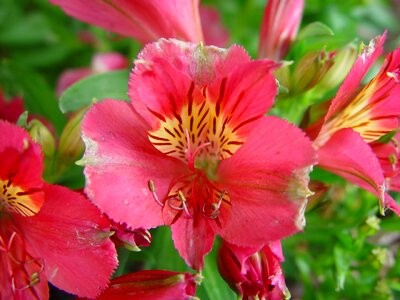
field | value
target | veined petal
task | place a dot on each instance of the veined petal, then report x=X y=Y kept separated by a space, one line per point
x=193 y=238
x=120 y=162
x=373 y=111
x=189 y=92
x=269 y=193
x=78 y=255
x=348 y=155
x=20 y=172
x=348 y=89
x=144 y=20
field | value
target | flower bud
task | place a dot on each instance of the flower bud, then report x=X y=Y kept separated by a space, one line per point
x=310 y=70
x=129 y=238
x=151 y=284
x=253 y=274
x=71 y=145
x=342 y=63
x=279 y=27
x=42 y=135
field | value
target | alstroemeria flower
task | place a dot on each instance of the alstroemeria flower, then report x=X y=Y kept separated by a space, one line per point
x=47 y=232
x=145 y=21
x=279 y=27
x=358 y=116
x=150 y=285
x=193 y=150
x=254 y=273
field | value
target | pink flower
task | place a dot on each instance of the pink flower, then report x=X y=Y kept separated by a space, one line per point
x=101 y=62
x=252 y=273
x=151 y=284
x=47 y=232
x=357 y=117
x=143 y=20
x=279 y=27
x=194 y=150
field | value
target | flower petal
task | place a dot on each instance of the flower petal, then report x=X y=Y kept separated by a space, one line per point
x=360 y=68
x=71 y=237
x=214 y=32
x=269 y=193
x=348 y=155
x=193 y=239
x=143 y=20
x=120 y=161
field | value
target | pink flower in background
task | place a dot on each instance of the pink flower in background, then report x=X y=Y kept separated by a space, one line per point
x=47 y=232
x=194 y=150
x=10 y=110
x=252 y=273
x=101 y=62
x=143 y=20
x=358 y=116
x=279 y=27
x=150 y=285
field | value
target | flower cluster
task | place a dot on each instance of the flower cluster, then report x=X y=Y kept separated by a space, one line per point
x=199 y=146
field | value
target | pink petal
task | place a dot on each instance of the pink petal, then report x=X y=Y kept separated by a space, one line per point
x=149 y=285
x=269 y=192
x=169 y=73
x=348 y=155
x=245 y=94
x=193 y=239
x=360 y=68
x=143 y=20
x=71 y=237
x=214 y=32
x=120 y=162
x=279 y=27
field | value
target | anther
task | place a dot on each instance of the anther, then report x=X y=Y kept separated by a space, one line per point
x=214 y=207
x=152 y=189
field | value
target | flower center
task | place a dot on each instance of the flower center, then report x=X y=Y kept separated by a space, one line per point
x=15 y=199
x=198 y=123
x=201 y=136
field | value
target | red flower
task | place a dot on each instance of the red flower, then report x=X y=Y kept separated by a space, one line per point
x=279 y=27
x=10 y=110
x=252 y=273
x=357 y=117
x=47 y=232
x=149 y=285
x=193 y=150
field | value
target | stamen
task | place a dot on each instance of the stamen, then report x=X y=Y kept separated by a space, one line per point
x=183 y=199
x=152 y=189
x=214 y=207
x=192 y=156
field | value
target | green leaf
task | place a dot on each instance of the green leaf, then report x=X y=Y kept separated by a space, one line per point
x=39 y=98
x=96 y=87
x=315 y=29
